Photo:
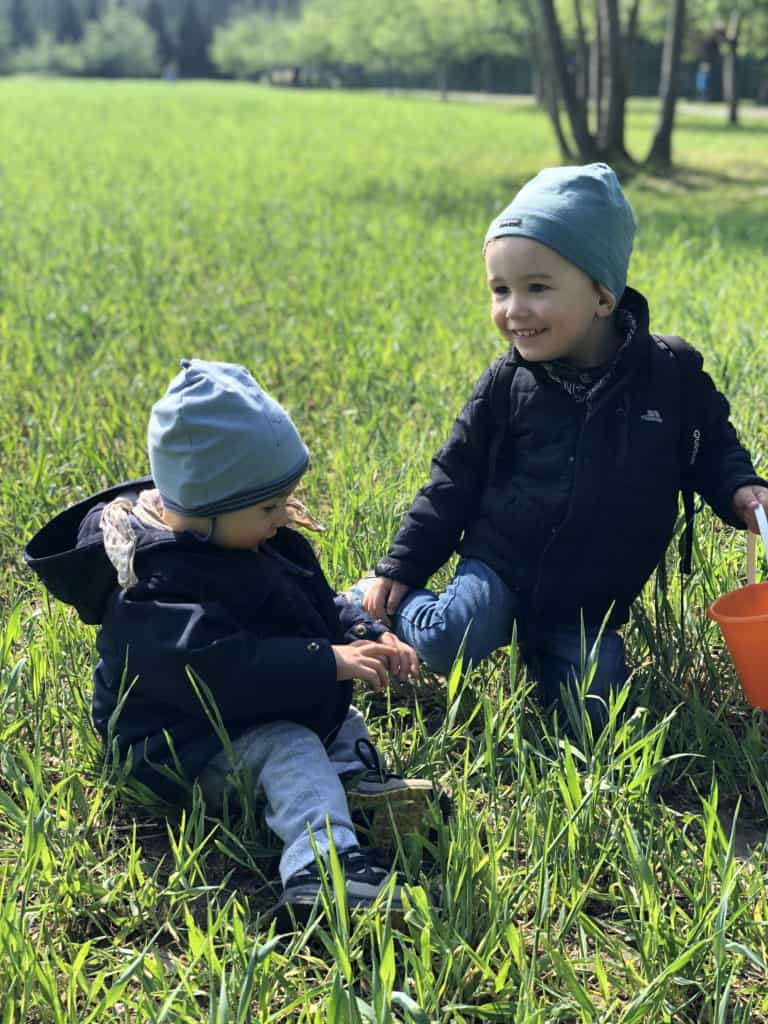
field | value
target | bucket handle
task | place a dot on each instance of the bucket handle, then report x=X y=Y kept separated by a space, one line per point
x=762 y=523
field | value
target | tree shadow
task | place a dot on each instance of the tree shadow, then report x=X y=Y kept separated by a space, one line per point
x=689 y=178
x=759 y=128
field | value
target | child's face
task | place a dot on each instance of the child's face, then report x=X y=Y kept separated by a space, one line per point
x=248 y=527
x=546 y=306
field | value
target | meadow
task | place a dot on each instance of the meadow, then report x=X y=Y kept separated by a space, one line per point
x=331 y=243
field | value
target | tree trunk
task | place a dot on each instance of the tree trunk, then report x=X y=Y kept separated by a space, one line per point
x=610 y=141
x=730 y=67
x=577 y=111
x=660 y=152
x=730 y=84
x=630 y=38
x=582 y=55
x=442 y=80
x=596 y=72
x=546 y=92
x=537 y=87
x=537 y=64
x=634 y=12
x=762 y=85
x=486 y=74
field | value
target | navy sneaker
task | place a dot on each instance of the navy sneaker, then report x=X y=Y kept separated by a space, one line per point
x=365 y=878
x=385 y=808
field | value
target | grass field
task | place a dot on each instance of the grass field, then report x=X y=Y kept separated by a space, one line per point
x=332 y=243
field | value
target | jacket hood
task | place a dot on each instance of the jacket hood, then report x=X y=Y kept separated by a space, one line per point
x=637 y=305
x=69 y=557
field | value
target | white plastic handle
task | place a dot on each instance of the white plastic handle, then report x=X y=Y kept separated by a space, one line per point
x=762 y=523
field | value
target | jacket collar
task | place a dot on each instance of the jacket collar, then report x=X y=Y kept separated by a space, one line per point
x=69 y=557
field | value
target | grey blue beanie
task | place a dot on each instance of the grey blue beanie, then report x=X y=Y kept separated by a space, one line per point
x=581 y=213
x=218 y=442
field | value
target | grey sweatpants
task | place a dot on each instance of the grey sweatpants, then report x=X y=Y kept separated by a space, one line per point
x=299 y=779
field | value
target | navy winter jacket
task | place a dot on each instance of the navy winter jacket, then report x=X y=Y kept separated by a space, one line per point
x=255 y=626
x=579 y=502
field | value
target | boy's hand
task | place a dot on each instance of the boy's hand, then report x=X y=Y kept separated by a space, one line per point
x=746 y=500
x=403 y=661
x=366 y=660
x=384 y=597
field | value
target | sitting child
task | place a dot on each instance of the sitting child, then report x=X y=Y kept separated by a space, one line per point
x=559 y=482
x=205 y=580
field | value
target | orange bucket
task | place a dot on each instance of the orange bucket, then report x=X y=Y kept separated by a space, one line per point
x=743 y=618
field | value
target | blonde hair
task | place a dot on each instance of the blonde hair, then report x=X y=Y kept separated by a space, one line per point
x=301 y=516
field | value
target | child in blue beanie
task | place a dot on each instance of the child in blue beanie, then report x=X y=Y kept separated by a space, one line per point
x=558 y=485
x=215 y=618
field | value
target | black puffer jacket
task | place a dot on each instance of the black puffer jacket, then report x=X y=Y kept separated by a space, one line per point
x=255 y=626
x=580 y=501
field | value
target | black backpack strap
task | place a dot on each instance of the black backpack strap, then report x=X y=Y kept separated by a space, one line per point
x=502 y=375
x=690 y=440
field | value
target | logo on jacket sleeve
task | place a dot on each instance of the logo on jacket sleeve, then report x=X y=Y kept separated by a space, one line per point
x=652 y=416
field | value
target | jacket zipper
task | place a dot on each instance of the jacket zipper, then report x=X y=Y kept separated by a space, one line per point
x=556 y=529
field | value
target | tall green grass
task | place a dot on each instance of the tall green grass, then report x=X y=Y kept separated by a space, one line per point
x=332 y=244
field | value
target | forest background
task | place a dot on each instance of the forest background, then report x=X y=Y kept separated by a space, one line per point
x=487 y=45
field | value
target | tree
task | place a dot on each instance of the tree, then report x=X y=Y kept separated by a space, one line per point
x=723 y=28
x=379 y=35
x=93 y=10
x=5 y=46
x=22 y=30
x=456 y=30
x=155 y=18
x=69 y=28
x=253 y=44
x=194 y=40
x=221 y=12
x=394 y=36
x=48 y=55
x=119 y=44
x=552 y=48
x=660 y=152
x=729 y=33
x=564 y=78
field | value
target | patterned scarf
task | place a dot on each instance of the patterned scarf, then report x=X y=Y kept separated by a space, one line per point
x=583 y=385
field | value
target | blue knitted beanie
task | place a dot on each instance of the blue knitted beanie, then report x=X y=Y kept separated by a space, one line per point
x=581 y=213
x=218 y=442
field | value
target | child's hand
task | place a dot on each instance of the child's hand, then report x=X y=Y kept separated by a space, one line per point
x=403 y=661
x=746 y=500
x=384 y=597
x=366 y=660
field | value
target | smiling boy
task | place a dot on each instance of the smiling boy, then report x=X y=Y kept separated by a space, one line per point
x=562 y=507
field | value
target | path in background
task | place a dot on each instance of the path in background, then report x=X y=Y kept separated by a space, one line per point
x=718 y=111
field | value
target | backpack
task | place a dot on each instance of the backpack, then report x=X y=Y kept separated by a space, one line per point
x=502 y=376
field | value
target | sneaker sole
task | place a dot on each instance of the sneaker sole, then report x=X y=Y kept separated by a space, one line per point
x=298 y=910
x=394 y=814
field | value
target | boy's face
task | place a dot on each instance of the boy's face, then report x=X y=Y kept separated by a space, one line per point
x=248 y=527
x=546 y=306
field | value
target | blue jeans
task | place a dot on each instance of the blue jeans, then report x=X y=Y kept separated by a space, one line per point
x=479 y=604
